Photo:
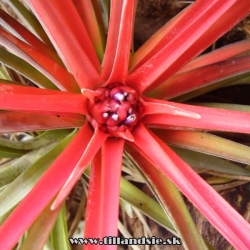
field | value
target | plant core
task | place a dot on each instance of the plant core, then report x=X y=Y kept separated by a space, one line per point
x=114 y=109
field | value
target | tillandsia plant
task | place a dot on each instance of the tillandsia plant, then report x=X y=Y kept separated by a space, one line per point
x=61 y=73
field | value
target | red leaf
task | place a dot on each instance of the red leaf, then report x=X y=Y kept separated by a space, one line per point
x=53 y=71
x=22 y=122
x=92 y=148
x=104 y=190
x=142 y=52
x=230 y=224
x=201 y=25
x=218 y=55
x=115 y=66
x=64 y=26
x=14 y=97
x=15 y=28
x=201 y=77
x=91 y=17
x=44 y=190
x=93 y=211
x=211 y=119
x=166 y=108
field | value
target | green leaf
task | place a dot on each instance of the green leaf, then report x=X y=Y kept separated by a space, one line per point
x=172 y=202
x=203 y=161
x=25 y=69
x=28 y=19
x=2 y=188
x=35 y=240
x=237 y=107
x=145 y=204
x=3 y=74
x=11 y=170
x=11 y=152
x=105 y=4
x=19 y=188
x=59 y=235
x=127 y=208
x=207 y=143
x=216 y=84
x=90 y=13
x=37 y=142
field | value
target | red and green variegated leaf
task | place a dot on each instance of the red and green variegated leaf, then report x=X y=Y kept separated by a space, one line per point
x=59 y=234
x=92 y=148
x=206 y=143
x=64 y=25
x=44 y=190
x=171 y=200
x=237 y=107
x=53 y=71
x=104 y=189
x=42 y=144
x=211 y=119
x=24 y=122
x=140 y=54
x=202 y=77
x=218 y=55
x=115 y=66
x=230 y=224
x=29 y=20
x=94 y=26
x=232 y=80
x=25 y=69
x=212 y=164
x=200 y=26
x=70 y=20
x=25 y=179
x=44 y=223
x=14 y=97
x=15 y=28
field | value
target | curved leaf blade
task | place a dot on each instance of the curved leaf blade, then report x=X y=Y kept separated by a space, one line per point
x=206 y=143
x=64 y=32
x=234 y=228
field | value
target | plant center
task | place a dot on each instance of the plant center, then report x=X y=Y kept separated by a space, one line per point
x=114 y=109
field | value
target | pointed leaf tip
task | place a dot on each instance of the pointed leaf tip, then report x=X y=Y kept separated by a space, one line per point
x=127 y=135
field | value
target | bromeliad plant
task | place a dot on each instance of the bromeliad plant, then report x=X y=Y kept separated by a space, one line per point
x=118 y=102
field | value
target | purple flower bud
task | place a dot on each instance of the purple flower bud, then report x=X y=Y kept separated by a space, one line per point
x=105 y=115
x=119 y=96
x=130 y=119
x=115 y=117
